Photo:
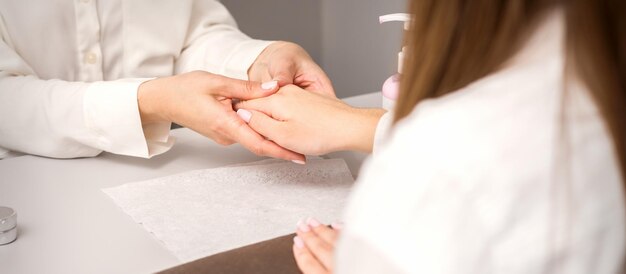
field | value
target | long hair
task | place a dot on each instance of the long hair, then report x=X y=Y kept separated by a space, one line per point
x=453 y=43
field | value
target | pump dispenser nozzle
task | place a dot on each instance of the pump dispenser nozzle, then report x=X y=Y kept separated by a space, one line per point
x=398 y=17
x=391 y=87
x=401 y=17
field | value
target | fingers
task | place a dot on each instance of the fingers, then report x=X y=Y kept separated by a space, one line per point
x=307 y=263
x=239 y=89
x=337 y=226
x=263 y=124
x=327 y=234
x=280 y=106
x=251 y=140
x=264 y=105
x=314 y=246
x=318 y=246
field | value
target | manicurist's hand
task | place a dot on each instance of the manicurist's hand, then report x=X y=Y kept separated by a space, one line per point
x=314 y=247
x=288 y=63
x=310 y=123
x=202 y=102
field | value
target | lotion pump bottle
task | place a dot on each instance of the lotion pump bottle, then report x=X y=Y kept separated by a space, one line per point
x=391 y=87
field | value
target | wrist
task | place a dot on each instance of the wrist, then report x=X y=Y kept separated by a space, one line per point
x=359 y=136
x=150 y=99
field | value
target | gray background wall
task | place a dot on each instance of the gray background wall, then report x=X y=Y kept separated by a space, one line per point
x=343 y=36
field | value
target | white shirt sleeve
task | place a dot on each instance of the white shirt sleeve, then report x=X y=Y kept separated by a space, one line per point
x=66 y=102
x=216 y=45
x=63 y=119
x=382 y=131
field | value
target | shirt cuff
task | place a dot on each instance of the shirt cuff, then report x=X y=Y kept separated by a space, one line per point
x=111 y=115
x=158 y=138
x=382 y=131
x=242 y=57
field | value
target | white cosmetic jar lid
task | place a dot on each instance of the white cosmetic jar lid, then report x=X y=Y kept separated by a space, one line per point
x=8 y=225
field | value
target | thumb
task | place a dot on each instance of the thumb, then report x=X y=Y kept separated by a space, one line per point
x=245 y=90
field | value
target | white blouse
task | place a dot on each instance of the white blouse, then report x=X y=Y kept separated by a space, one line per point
x=69 y=70
x=489 y=180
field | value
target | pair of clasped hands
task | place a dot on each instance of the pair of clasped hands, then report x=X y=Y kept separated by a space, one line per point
x=287 y=110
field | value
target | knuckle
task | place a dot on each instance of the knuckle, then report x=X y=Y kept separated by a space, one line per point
x=276 y=100
x=282 y=92
x=220 y=83
x=198 y=74
x=223 y=141
x=248 y=86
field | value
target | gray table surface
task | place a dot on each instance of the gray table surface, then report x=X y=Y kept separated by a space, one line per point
x=66 y=224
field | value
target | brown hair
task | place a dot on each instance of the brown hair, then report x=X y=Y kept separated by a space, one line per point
x=455 y=42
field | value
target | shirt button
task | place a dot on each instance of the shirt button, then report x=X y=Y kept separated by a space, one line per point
x=91 y=58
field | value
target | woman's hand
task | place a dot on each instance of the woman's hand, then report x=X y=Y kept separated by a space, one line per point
x=202 y=102
x=288 y=63
x=311 y=123
x=314 y=247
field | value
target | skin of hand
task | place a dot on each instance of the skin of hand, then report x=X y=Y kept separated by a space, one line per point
x=310 y=123
x=202 y=102
x=289 y=63
x=314 y=246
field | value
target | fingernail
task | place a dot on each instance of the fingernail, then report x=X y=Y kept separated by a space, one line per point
x=313 y=222
x=300 y=162
x=302 y=226
x=337 y=225
x=244 y=115
x=298 y=242
x=269 y=85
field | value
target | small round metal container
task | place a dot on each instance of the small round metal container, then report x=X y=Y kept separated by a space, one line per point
x=8 y=225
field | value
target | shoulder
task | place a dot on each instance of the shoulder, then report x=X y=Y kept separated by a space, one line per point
x=511 y=111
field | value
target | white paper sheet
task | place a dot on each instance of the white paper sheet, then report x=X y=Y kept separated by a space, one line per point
x=203 y=212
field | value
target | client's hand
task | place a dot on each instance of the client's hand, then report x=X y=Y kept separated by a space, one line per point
x=288 y=63
x=202 y=102
x=310 y=123
x=314 y=247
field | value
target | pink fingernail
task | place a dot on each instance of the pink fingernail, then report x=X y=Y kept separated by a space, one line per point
x=337 y=225
x=244 y=115
x=300 y=162
x=313 y=222
x=302 y=226
x=269 y=85
x=298 y=242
